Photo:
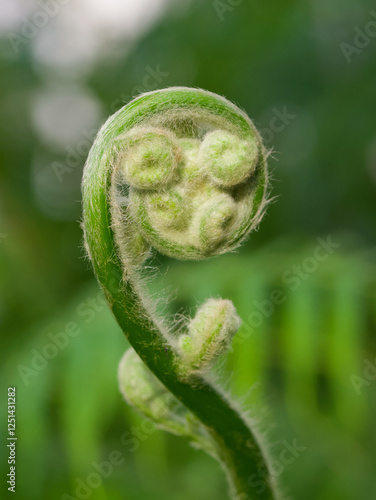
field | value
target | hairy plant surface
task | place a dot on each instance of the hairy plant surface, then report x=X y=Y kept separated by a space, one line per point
x=182 y=171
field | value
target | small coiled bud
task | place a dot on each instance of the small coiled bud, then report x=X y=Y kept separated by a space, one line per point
x=229 y=159
x=216 y=220
x=142 y=390
x=167 y=209
x=150 y=158
x=209 y=335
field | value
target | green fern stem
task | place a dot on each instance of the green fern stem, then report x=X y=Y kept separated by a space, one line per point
x=184 y=171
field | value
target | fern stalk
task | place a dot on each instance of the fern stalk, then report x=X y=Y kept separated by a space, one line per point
x=182 y=171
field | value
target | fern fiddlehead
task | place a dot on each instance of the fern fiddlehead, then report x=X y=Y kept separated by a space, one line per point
x=182 y=171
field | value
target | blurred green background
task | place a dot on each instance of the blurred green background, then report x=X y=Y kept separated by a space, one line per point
x=305 y=72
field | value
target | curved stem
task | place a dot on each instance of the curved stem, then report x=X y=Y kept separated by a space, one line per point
x=237 y=446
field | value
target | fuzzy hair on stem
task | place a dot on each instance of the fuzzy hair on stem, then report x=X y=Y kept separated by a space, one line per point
x=180 y=171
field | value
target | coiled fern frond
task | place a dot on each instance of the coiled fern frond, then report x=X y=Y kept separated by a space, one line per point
x=182 y=171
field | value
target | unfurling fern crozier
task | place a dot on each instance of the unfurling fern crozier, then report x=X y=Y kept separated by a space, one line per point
x=181 y=171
